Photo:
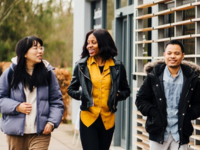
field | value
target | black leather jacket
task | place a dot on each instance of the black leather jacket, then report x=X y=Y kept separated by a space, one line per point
x=81 y=77
x=151 y=101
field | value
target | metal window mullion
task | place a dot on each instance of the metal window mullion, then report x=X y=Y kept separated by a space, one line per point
x=104 y=13
x=178 y=17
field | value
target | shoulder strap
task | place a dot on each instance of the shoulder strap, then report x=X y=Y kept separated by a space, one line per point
x=10 y=75
x=48 y=77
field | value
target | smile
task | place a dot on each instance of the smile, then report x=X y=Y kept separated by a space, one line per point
x=91 y=51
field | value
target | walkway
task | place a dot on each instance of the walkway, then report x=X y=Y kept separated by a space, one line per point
x=61 y=139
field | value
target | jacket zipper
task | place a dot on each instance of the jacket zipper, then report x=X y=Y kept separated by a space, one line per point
x=114 y=96
x=188 y=90
x=24 y=114
x=183 y=107
x=92 y=85
x=163 y=122
x=38 y=112
x=114 y=83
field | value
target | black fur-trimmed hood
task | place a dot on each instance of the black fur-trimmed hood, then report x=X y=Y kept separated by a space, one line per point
x=159 y=65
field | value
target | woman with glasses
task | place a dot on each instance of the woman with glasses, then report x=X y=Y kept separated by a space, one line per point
x=103 y=83
x=30 y=98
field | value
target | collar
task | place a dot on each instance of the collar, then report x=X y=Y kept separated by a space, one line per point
x=84 y=60
x=169 y=74
x=91 y=61
x=109 y=62
x=187 y=70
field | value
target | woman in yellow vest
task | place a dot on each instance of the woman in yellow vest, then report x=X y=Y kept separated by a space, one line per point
x=103 y=83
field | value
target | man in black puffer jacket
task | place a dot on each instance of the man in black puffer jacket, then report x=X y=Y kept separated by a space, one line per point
x=170 y=99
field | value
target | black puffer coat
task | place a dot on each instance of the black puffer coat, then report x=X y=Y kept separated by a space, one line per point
x=151 y=101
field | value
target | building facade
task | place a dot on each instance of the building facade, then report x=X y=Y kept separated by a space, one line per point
x=140 y=29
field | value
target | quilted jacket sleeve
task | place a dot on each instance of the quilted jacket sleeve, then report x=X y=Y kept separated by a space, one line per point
x=124 y=90
x=7 y=105
x=194 y=110
x=55 y=101
x=73 y=89
x=145 y=97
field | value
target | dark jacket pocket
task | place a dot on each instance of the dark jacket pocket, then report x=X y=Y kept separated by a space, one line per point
x=187 y=126
x=154 y=124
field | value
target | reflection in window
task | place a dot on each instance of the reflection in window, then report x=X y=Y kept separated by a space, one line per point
x=146 y=35
x=189 y=46
x=136 y=64
x=110 y=16
x=189 y=29
x=169 y=31
x=189 y=14
x=131 y=2
x=189 y=59
x=124 y=3
x=96 y=21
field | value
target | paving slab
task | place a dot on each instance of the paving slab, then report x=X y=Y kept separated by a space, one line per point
x=61 y=139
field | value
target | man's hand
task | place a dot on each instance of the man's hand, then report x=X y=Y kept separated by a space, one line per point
x=47 y=129
x=24 y=108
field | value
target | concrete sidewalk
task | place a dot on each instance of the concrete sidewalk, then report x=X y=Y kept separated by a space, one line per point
x=61 y=139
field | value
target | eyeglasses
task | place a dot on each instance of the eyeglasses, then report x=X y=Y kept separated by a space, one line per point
x=41 y=48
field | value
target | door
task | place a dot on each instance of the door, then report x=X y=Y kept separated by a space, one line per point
x=124 y=40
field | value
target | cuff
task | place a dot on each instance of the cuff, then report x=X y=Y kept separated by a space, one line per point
x=17 y=109
x=51 y=124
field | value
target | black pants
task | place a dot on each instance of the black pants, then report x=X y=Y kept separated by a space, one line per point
x=96 y=137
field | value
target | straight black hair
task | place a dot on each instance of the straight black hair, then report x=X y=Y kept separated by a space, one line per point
x=39 y=76
x=176 y=42
x=106 y=44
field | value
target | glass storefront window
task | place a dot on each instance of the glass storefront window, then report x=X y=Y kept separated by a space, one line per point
x=190 y=59
x=124 y=3
x=146 y=35
x=189 y=14
x=169 y=31
x=96 y=19
x=110 y=17
x=189 y=29
x=189 y=45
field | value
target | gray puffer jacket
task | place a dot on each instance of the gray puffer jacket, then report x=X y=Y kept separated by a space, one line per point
x=49 y=104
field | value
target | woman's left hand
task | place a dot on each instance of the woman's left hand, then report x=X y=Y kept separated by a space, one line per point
x=47 y=129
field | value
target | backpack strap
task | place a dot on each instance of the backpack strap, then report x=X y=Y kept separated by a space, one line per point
x=10 y=76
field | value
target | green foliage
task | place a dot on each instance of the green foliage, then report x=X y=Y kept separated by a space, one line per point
x=70 y=70
x=49 y=21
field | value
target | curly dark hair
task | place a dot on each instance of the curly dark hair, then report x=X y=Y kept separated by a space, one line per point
x=106 y=44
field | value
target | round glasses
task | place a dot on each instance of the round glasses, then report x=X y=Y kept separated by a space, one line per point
x=41 y=48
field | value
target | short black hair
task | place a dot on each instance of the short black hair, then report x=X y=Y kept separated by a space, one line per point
x=176 y=42
x=106 y=44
